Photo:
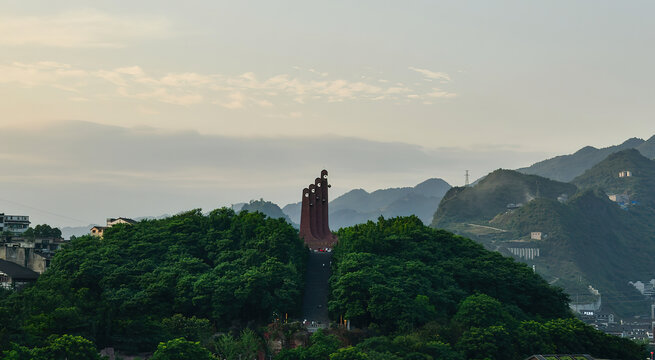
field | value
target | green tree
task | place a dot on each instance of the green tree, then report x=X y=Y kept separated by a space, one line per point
x=481 y=310
x=69 y=347
x=180 y=349
x=349 y=353
x=493 y=342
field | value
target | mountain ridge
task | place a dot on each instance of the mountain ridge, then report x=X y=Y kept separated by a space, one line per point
x=566 y=167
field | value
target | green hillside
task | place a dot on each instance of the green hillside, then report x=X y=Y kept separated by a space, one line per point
x=213 y=286
x=158 y=280
x=587 y=239
x=640 y=186
x=491 y=196
x=590 y=241
x=428 y=294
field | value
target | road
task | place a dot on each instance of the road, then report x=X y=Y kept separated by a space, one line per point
x=314 y=305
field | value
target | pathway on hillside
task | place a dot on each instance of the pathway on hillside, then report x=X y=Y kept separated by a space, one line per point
x=314 y=305
x=487 y=227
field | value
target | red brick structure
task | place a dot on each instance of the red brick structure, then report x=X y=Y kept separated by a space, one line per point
x=314 y=224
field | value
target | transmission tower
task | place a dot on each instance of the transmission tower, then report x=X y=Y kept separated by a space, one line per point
x=466 y=178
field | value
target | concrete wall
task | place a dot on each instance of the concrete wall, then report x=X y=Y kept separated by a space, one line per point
x=24 y=257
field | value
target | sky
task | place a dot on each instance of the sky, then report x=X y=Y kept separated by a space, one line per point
x=123 y=108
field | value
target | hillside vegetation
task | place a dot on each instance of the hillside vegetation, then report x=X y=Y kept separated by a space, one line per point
x=587 y=239
x=158 y=280
x=492 y=194
x=429 y=294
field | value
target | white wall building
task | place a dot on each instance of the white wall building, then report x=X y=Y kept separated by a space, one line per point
x=14 y=223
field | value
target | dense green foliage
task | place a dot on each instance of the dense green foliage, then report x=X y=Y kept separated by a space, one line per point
x=640 y=186
x=56 y=348
x=184 y=276
x=399 y=274
x=320 y=347
x=42 y=231
x=181 y=349
x=436 y=295
x=587 y=239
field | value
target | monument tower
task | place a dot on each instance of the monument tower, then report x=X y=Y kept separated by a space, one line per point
x=314 y=223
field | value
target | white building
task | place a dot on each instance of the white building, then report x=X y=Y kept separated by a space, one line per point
x=14 y=223
x=619 y=198
x=625 y=173
x=536 y=235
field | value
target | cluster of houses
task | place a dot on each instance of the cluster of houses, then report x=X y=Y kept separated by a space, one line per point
x=24 y=258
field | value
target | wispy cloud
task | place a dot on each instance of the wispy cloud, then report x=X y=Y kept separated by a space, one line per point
x=432 y=75
x=78 y=29
x=228 y=91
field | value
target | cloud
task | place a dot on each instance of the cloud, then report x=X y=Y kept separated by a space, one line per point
x=438 y=93
x=232 y=92
x=91 y=171
x=431 y=75
x=78 y=29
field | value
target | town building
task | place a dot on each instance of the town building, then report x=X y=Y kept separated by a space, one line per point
x=17 y=224
x=625 y=173
x=14 y=276
x=100 y=230
x=536 y=235
x=620 y=198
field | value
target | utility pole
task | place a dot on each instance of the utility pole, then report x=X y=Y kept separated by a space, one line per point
x=466 y=178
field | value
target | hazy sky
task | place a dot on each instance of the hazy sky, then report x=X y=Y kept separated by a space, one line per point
x=126 y=108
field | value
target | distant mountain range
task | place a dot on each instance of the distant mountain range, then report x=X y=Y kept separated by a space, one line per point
x=566 y=167
x=359 y=206
x=585 y=238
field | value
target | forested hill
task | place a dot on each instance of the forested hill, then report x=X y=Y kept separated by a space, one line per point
x=586 y=239
x=359 y=206
x=182 y=276
x=183 y=285
x=429 y=294
x=566 y=167
x=639 y=187
x=491 y=196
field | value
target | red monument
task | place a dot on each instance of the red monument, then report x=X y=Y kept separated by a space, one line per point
x=314 y=224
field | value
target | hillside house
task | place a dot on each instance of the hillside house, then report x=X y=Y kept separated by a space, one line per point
x=625 y=173
x=621 y=199
x=121 y=220
x=17 y=224
x=100 y=230
x=14 y=276
x=536 y=235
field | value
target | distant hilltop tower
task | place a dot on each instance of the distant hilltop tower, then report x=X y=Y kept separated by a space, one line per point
x=466 y=178
x=314 y=224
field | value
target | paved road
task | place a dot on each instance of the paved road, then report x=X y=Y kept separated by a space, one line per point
x=314 y=306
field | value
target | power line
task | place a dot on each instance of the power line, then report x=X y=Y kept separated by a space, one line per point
x=46 y=211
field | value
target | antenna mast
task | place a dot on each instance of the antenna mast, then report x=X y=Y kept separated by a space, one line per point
x=466 y=178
